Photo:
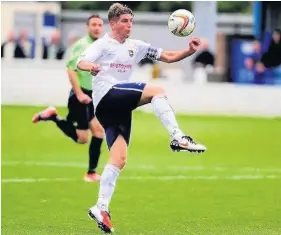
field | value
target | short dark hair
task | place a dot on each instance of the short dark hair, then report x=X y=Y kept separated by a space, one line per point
x=277 y=31
x=118 y=9
x=91 y=17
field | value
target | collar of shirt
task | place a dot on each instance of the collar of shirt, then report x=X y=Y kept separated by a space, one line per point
x=90 y=39
x=110 y=38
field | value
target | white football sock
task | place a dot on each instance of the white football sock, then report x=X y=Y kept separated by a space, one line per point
x=107 y=186
x=165 y=113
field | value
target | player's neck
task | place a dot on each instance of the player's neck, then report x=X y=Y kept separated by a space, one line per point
x=91 y=38
x=117 y=37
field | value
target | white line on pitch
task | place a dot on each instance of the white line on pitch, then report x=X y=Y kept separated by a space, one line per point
x=146 y=167
x=34 y=180
x=144 y=178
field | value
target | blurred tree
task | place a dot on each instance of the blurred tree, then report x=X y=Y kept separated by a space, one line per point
x=234 y=7
x=158 y=6
x=95 y=5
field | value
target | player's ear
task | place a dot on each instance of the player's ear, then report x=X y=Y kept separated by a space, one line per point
x=111 y=23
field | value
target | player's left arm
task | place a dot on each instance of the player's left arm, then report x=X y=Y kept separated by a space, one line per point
x=145 y=50
x=175 y=56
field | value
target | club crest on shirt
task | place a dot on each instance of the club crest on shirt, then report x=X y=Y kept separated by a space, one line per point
x=131 y=53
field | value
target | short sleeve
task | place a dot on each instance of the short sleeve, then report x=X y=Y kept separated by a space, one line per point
x=92 y=53
x=76 y=50
x=145 y=50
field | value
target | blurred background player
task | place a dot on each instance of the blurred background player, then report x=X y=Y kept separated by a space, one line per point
x=115 y=98
x=81 y=110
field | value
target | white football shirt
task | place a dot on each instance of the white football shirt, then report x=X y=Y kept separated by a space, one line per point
x=117 y=61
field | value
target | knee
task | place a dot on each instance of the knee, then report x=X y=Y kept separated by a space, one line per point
x=120 y=161
x=98 y=132
x=82 y=139
x=118 y=152
x=152 y=91
x=157 y=90
x=123 y=161
x=97 y=129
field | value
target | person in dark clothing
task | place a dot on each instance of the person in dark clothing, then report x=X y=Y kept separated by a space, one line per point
x=54 y=48
x=17 y=48
x=8 y=46
x=23 y=48
x=272 y=58
x=204 y=57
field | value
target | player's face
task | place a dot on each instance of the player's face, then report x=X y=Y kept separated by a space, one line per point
x=95 y=27
x=257 y=46
x=276 y=37
x=124 y=25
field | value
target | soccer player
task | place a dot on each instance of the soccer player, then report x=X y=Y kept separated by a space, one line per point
x=111 y=59
x=81 y=110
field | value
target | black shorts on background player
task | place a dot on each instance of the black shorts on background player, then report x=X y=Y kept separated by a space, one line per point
x=80 y=114
x=79 y=117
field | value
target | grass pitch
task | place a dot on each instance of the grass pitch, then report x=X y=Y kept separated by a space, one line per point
x=234 y=188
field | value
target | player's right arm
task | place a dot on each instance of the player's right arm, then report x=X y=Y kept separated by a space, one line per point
x=87 y=61
x=72 y=74
x=81 y=96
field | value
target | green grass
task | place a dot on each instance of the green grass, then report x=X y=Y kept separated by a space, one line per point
x=212 y=203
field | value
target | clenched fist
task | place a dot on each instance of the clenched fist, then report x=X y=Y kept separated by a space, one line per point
x=194 y=44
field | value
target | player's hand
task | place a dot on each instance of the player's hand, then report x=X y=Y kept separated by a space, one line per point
x=83 y=98
x=95 y=69
x=194 y=44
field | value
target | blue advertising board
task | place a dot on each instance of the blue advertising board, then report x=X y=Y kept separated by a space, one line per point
x=241 y=49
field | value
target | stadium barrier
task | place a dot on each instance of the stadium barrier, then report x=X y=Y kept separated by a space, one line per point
x=26 y=82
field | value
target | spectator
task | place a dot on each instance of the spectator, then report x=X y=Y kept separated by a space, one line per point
x=17 y=48
x=272 y=58
x=254 y=59
x=53 y=49
x=71 y=39
x=203 y=64
x=23 y=47
x=205 y=57
x=8 y=46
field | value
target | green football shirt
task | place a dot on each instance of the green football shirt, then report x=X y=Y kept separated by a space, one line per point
x=84 y=77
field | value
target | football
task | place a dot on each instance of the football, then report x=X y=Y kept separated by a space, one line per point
x=181 y=23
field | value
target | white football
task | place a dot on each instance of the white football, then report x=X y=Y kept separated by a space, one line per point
x=181 y=23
